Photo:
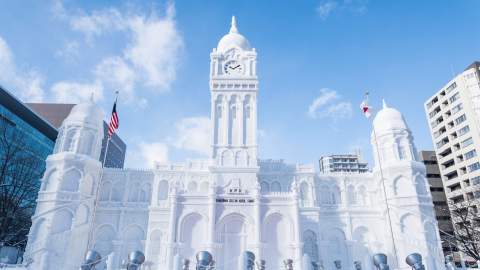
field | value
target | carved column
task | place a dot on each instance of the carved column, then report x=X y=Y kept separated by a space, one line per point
x=172 y=226
x=258 y=222
x=211 y=217
x=296 y=217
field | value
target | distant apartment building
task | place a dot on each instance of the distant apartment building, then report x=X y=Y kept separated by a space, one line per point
x=453 y=114
x=439 y=199
x=349 y=163
x=56 y=113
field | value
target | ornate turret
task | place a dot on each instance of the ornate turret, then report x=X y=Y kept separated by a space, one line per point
x=406 y=188
x=62 y=221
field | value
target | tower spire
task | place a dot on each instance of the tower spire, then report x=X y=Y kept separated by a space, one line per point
x=233 y=27
x=384 y=104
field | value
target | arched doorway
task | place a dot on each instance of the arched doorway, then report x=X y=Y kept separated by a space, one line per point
x=233 y=236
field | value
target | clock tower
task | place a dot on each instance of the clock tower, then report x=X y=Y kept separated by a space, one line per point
x=234 y=86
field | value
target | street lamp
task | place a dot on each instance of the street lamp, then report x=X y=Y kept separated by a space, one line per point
x=380 y=261
x=415 y=261
x=248 y=260
x=204 y=260
x=135 y=260
x=91 y=260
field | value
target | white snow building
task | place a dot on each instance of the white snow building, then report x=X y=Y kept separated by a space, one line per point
x=232 y=202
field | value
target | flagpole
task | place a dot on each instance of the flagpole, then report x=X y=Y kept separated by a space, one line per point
x=385 y=193
x=95 y=202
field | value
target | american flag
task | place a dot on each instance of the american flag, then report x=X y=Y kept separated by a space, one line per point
x=113 y=120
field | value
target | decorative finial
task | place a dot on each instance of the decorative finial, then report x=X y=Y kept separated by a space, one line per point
x=233 y=28
x=384 y=104
x=91 y=97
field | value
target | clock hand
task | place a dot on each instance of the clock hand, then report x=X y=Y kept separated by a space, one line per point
x=236 y=67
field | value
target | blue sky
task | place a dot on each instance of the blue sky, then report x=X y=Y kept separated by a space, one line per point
x=320 y=52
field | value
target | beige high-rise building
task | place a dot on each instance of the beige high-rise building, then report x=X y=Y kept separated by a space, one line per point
x=453 y=114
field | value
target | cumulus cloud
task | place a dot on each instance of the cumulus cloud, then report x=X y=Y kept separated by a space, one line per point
x=193 y=134
x=327 y=7
x=97 y=23
x=155 y=49
x=149 y=58
x=70 y=52
x=73 y=92
x=329 y=105
x=117 y=74
x=153 y=152
x=27 y=85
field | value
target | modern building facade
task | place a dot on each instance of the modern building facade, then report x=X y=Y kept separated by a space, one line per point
x=26 y=139
x=232 y=202
x=453 y=114
x=55 y=114
x=439 y=199
x=349 y=163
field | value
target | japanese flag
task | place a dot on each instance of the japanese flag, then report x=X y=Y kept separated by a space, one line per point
x=367 y=110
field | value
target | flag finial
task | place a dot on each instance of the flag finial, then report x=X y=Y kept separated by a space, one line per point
x=384 y=104
x=233 y=27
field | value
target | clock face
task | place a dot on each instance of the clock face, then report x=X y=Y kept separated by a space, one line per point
x=233 y=67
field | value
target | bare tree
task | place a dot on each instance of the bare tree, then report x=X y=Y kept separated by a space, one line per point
x=20 y=172
x=466 y=225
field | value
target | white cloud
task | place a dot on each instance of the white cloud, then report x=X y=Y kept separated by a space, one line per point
x=155 y=49
x=70 y=52
x=193 y=134
x=327 y=7
x=152 y=153
x=73 y=92
x=27 y=85
x=149 y=58
x=329 y=105
x=117 y=74
x=98 y=22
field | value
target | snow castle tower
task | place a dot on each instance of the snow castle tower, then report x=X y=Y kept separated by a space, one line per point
x=408 y=194
x=60 y=227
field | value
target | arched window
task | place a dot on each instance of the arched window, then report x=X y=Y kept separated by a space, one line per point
x=325 y=195
x=402 y=152
x=310 y=245
x=362 y=194
x=163 y=190
x=276 y=187
x=192 y=186
x=336 y=196
x=133 y=195
x=420 y=185
x=204 y=186
x=105 y=191
x=352 y=196
x=62 y=221
x=304 y=194
x=70 y=140
x=70 y=181
x=264 y=187
x=87 y=141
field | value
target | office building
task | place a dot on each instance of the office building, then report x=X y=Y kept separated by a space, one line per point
x=349 y=163
x=26 y=139
x=453 y=114
x=439 y=199
x=56 y=113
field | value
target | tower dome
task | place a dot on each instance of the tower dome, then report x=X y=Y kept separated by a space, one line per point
x=388 y=119
x=232 y=39
x=86 y=113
